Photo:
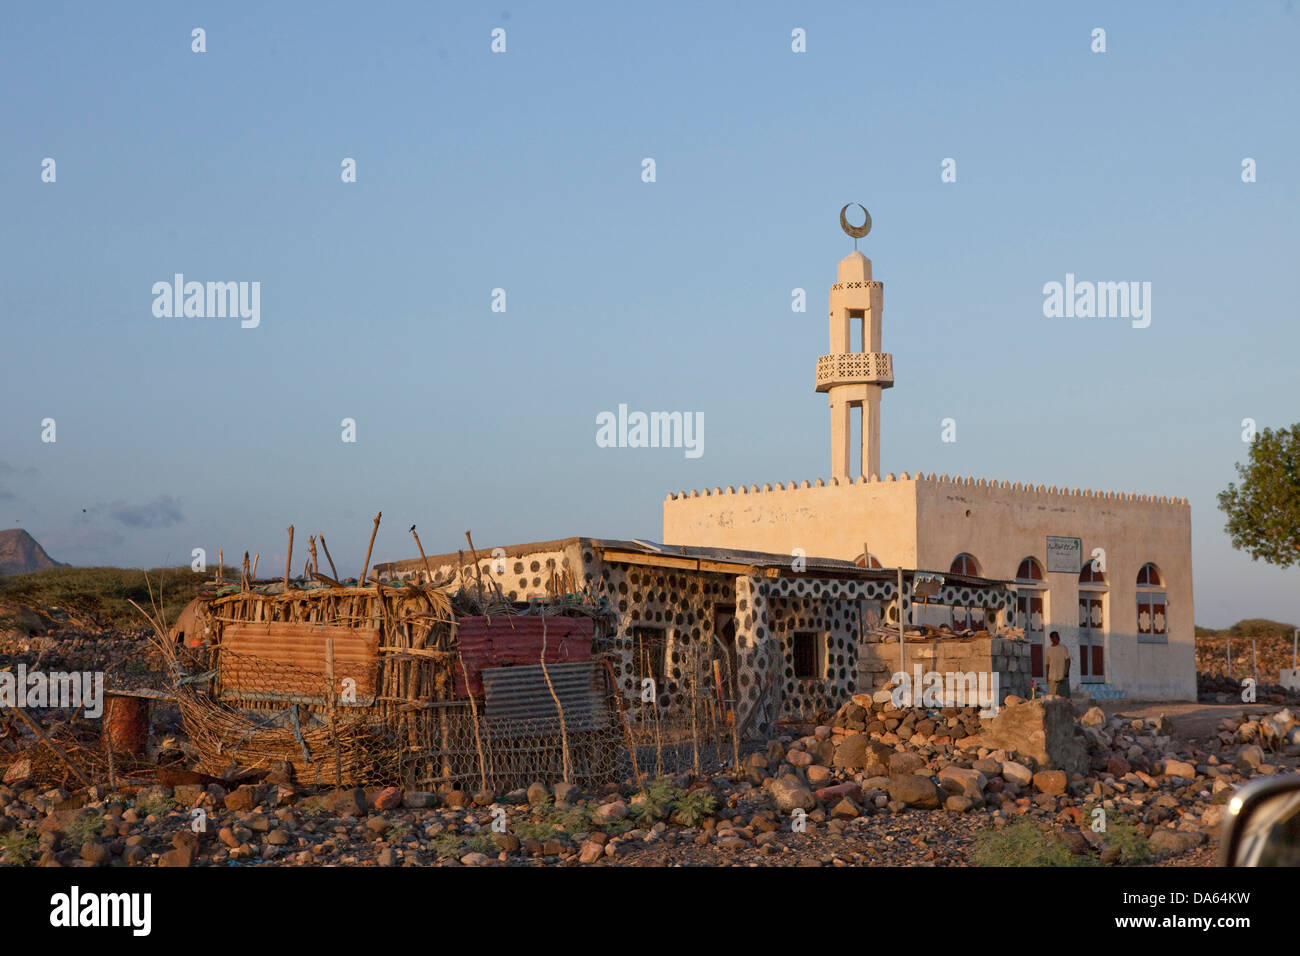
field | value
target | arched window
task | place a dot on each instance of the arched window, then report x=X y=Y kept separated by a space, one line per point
x=1149 y=576
x=1089 y=576
x=966 y=618
x=1031 y=612
x=1092 y=624
x=1152 y=620
x=1030 y=571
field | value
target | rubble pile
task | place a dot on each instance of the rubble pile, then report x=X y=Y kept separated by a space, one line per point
x=878 y=758
x=1276 y=733
x=1221 y=689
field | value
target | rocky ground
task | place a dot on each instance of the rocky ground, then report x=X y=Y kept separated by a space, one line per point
x=879 y=784
x=884 y=786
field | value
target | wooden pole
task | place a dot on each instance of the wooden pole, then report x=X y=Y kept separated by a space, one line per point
x=428 y=574
x=622 y=716
x=219 y=565
x=326 y=548
x=255 y=558
x=288 y=557
x=244 y=572
x=478 y=574
x=366 y=567
x=695 y=728
x=334 y=733
x=559 y=709
x=58 y=751
x=311 y=549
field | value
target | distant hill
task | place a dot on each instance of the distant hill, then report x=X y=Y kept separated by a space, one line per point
x=20 y=553
x=1251 y=627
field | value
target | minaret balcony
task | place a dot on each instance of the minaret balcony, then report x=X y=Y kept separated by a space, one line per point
x=855 y=368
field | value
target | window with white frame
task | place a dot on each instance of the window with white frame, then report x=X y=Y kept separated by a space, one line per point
x=1152 y=621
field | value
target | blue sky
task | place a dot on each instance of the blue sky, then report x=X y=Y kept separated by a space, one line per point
x=522 y=171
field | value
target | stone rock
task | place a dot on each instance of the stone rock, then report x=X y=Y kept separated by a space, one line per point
x=474 y=859
x=1213 y=816
x=1017 y=773
x=346 y=803
x=1250 y=757
x=178 y=857
x=1117 y=765
x=1174 y=841
x=1051 y=782
x=419 y=799
x=538 y=795
x=1180 y=768
x=846 y=809
x=853 y=753
x=188 y=794
x=1042 y=729
x=566 y=794
x=607 y=813
x=905 y=763
x=485 y=798
x=241 y=800
x=1095 y=717
x=958 y=803
x=591 y=851
x=914 y=790
x=818 y=775
x=956 y=780
x=790 y=794
x=390 y=798
x=94 y=853
x=799 y=758
x=387 y=857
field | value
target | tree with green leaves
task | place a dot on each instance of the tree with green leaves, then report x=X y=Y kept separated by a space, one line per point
x=1264 y=513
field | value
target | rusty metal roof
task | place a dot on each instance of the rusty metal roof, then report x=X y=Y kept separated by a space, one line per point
x=522 y=694
x=517 y=639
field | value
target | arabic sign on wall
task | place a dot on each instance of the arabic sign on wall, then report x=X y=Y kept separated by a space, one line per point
x=1064 y=554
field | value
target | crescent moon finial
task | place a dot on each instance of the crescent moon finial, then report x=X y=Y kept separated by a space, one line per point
x=857 y=232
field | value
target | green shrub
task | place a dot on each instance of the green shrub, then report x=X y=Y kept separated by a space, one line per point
x=455 y=845
x=82 y=827
x=1023 y=843
x=692 y=808
x=1132 y=844
x=18 y=849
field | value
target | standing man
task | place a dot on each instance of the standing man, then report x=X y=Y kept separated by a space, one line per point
x=1057 y=661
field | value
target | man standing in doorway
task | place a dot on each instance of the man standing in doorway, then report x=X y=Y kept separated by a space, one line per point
x=1058 y=667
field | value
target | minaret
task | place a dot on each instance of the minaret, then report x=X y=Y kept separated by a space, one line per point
x=855 y=379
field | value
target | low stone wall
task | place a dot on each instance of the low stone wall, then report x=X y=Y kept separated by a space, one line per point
x=1008 y=658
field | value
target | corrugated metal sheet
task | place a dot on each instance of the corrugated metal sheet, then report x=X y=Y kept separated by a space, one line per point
x=301 y=648
x=517 y=639
x=521 y=693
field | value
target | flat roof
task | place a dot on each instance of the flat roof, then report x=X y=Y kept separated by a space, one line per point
x=694 y=557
